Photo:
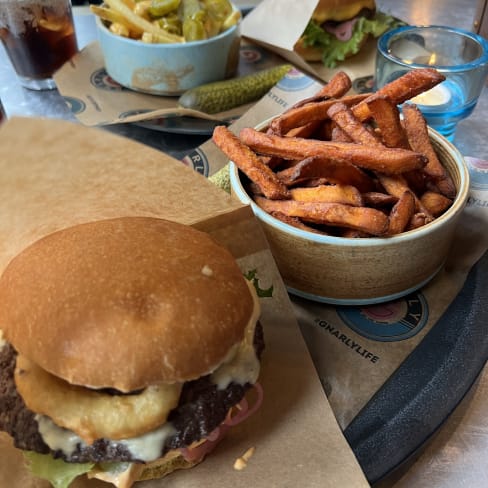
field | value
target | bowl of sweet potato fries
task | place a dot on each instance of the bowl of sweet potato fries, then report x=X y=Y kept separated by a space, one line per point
x=165 y=47
x=357 y=196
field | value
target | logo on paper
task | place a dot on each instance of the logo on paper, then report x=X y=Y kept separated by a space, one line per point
x=198 y=161
x=388 y=322
x=478 y=172
x=101 y=79
x=252 y=54
x=76 y=105
x=295 y=80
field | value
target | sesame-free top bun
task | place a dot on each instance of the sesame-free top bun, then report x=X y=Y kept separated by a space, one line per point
x=340 y=10
x=125 y=303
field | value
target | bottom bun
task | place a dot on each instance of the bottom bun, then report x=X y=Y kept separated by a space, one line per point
x=161 y=467
x=172 y=461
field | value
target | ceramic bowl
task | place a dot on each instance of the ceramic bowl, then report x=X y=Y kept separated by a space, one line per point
x=362 y=271
x=169 y=69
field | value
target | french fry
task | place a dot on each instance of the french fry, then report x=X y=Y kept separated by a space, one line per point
x=345 y=194
x=249 y=163
x=119 y=29
x=111 y=15
x=323 y=168
x=385 y=160
x=435 y=203
x=387 y=118
x=401 y=213
x=139 y=24
x=418 y=137
x=314 y=111
x=364 y=219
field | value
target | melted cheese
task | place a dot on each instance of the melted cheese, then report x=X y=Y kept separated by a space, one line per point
x=242 y=365
x=146 y=447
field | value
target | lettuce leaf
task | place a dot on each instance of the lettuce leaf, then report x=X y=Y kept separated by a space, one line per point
x=251 y=275
x=58 y=472
x=334 y=50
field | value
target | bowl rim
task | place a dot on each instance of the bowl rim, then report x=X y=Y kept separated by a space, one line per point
x=103 y=29
x=479 y=62
x=456 y=207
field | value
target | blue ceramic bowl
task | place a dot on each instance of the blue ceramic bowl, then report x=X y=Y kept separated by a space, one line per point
x=169 y=69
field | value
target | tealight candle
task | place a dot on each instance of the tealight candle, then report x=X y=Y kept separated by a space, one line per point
x=461 y=56
x=439 y=95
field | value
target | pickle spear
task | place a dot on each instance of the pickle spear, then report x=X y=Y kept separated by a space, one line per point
x=223 y=95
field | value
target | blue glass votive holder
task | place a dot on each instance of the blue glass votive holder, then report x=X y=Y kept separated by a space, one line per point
x=461 y=56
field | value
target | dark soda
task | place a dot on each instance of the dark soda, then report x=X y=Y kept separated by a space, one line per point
x=38 y=35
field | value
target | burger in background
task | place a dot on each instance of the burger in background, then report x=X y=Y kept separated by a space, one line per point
x=129 y=345
x=339 y=28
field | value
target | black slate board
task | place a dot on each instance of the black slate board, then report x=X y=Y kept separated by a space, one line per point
x=415 y=401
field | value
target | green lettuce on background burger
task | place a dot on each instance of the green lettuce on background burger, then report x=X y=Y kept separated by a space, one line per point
x=339 y=28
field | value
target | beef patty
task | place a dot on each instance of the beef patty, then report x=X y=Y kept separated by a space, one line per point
x=201 y=409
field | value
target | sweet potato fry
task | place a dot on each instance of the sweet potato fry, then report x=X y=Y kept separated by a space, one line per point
x=316 y=168
x=347 y=166
x=396 y=185
x=345 y=194
x=338 y=135
x=418 y=137
x=249 y=163
x=435 y=203
x=306 y=130
x=342 y=115
x=401 y=213
x=353 y=234
x=337 y=87
x=404 y=88
x=384 y=159
x=378 y=199
x=387 y=118
x=365 y=219
x=418 y=219
x=296 y=222
x=296 y=117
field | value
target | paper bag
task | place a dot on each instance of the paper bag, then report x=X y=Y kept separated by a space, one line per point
x=55 y=174
x=289 y=19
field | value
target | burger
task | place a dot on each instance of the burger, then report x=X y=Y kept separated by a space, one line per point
x=128 y=347
x=339 y=28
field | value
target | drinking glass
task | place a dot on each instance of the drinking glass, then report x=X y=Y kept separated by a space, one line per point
x=39 y=37
x=461 y=56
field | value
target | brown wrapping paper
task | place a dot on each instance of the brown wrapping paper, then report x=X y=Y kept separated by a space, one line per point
x=55 y=174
